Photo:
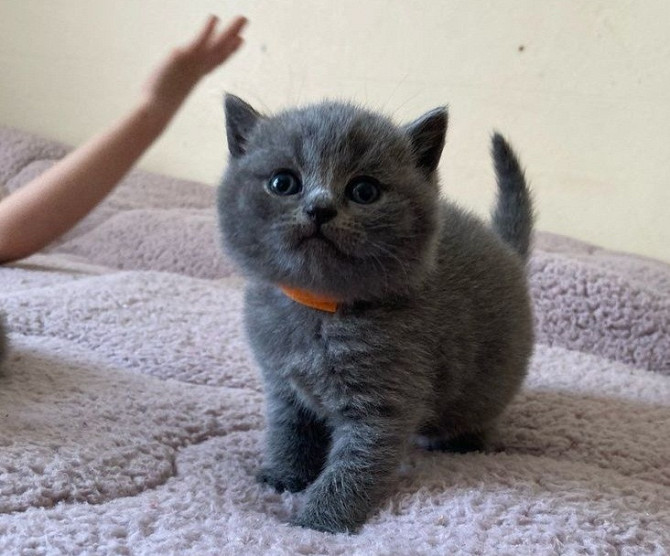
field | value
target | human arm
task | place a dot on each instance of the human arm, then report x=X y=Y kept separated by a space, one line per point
x=52 y=203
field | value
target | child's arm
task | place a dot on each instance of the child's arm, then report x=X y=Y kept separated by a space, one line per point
x=52 y=203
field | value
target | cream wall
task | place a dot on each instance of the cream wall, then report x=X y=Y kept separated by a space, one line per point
x=582 y=88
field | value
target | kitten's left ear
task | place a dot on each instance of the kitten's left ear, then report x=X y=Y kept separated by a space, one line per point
x=427 y=134
x=241 y=119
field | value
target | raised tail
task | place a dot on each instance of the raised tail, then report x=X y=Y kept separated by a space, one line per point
x=513 y=213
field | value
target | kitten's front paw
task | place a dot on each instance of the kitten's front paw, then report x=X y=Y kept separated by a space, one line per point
x=280 y=480
x=319 y=520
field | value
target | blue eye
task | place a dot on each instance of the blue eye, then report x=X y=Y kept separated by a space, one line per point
x=363 y=190
x=284 y=183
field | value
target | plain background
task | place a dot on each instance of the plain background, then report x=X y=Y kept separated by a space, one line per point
x=581 y=88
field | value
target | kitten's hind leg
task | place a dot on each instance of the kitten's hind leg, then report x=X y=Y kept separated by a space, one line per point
x=296 y=446
x=461 y=444
x=431 y=440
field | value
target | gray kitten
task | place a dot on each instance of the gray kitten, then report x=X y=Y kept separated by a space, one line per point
x=432 y=329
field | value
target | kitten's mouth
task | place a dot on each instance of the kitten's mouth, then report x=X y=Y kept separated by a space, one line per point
x=318 y=236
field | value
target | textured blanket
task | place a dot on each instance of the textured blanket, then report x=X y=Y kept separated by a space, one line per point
x=131 y=414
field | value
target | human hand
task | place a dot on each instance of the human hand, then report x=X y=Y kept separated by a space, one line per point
x=174 y=79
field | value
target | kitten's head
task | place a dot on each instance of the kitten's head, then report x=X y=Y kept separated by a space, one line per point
x=332 y=198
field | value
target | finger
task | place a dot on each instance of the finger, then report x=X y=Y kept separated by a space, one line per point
x=205 y=34
x=229 y=34
x=220 y=55
x=236 y=25
x=230 y=48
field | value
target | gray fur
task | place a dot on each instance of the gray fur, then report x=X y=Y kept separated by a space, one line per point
x=512 y=216
x=434 y=332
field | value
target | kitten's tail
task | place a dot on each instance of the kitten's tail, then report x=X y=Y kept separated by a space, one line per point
x=513 y=213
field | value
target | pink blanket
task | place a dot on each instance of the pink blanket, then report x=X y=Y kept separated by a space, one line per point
x=131 y=414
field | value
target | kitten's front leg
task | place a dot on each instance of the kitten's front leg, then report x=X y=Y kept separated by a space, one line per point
x=296 y=446
x=360 y=469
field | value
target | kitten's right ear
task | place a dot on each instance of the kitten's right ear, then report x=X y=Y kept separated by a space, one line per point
x=241 y=119
x=427 y=135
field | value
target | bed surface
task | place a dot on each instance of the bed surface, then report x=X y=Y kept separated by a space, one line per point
x=131 y=413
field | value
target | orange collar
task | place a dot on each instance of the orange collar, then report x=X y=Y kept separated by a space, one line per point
x=312 y=300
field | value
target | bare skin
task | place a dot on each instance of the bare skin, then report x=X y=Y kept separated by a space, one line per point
x=51 y=204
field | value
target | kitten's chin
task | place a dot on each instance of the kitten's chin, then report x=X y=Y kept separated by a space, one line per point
x=322 y=270
x=315 y=261
x=320 y=245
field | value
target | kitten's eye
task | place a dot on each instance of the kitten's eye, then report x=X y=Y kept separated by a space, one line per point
x=283 y=183
x=363 y=190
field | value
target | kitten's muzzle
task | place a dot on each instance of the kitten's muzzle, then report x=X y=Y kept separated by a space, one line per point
x=315 y=234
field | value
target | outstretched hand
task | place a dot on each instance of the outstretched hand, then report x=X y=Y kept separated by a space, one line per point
x=174 y=79
x=56 y=200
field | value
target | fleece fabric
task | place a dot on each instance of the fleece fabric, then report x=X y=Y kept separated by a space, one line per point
x=131 y=411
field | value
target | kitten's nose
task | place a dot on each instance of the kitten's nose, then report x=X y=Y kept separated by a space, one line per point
x=321 y=214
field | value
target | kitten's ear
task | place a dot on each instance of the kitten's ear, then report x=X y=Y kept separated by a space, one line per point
x=427 y=134
x=241 y=119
